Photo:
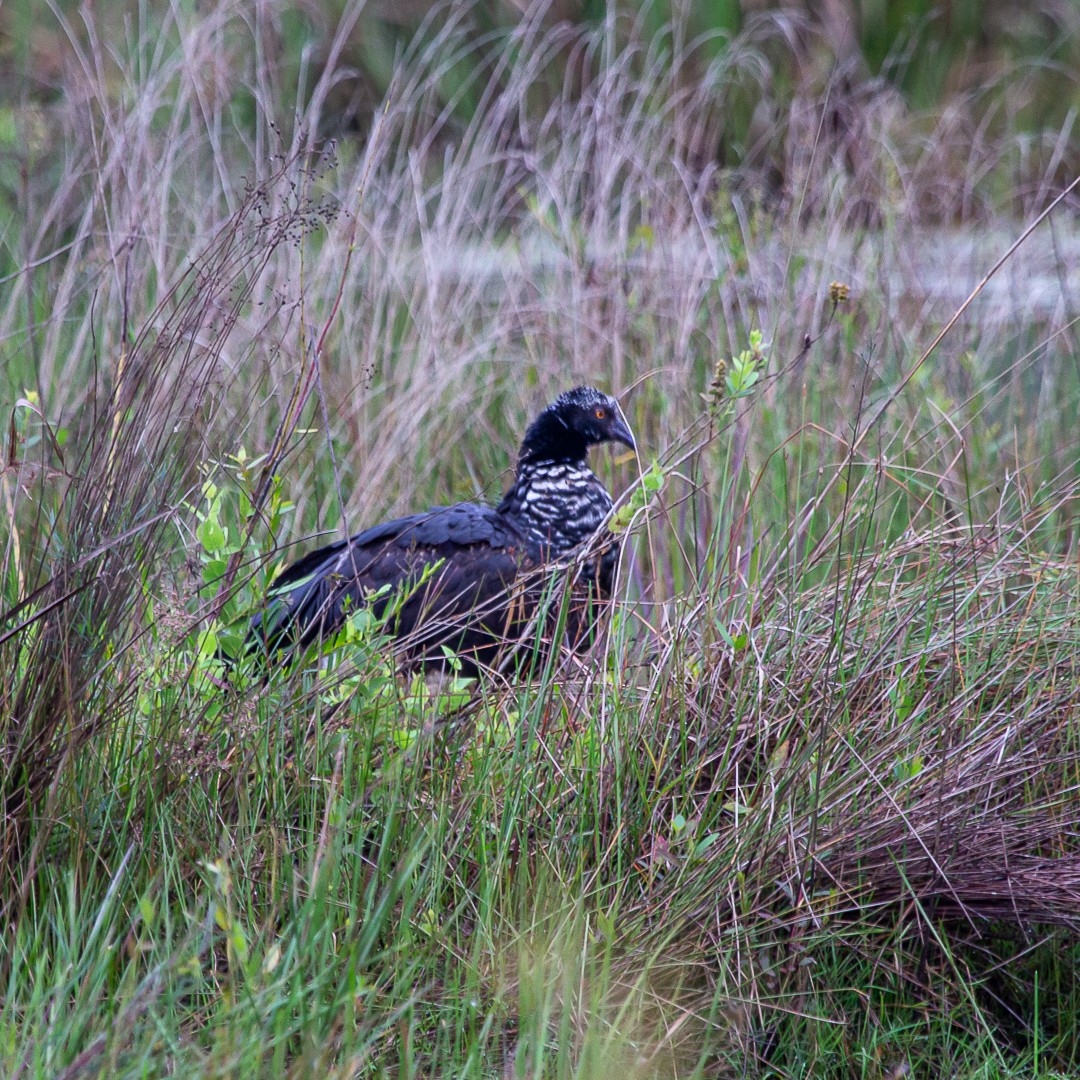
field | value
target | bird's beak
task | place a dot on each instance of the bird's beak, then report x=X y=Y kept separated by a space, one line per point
x=620 y=431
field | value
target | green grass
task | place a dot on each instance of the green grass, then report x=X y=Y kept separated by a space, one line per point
x=812 y=808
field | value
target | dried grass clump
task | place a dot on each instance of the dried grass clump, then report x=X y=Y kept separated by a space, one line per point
x=903 y=738
x=837 y=710
x=98 y=547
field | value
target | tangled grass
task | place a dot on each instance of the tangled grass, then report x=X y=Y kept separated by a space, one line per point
x=811 y=809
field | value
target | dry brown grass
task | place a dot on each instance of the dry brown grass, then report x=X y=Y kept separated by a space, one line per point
x=845 y=656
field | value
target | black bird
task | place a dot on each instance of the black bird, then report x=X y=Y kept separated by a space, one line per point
x=471 y=577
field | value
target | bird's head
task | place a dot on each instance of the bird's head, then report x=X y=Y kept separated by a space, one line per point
x=573 y=422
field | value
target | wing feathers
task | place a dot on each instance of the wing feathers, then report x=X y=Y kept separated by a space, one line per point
x=475 y=552
x=473 y=599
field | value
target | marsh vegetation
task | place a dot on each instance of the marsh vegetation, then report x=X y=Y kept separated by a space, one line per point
x=813 y=807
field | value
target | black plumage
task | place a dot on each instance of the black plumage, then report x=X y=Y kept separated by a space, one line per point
x=468 y=577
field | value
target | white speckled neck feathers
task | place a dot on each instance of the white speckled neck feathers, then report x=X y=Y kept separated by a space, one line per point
x=555 y=498
x=560 y=503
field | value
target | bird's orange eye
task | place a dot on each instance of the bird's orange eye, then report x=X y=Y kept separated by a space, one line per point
x=600 y=413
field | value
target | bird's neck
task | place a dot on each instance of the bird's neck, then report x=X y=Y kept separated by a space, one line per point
x=559 y=502
x=550 y=439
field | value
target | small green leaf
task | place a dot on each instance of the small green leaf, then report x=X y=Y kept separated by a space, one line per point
x=214 y=570
x=643 y=236
x=208 y=643
x=622 y=518
x=9 y=131
x=704 y=844
x=272 y=958
x=404 y=738
x=211 y=535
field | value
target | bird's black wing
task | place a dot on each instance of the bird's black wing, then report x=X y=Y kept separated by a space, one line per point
x=470 y=553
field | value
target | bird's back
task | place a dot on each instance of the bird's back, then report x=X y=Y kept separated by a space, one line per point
x=447 y=571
